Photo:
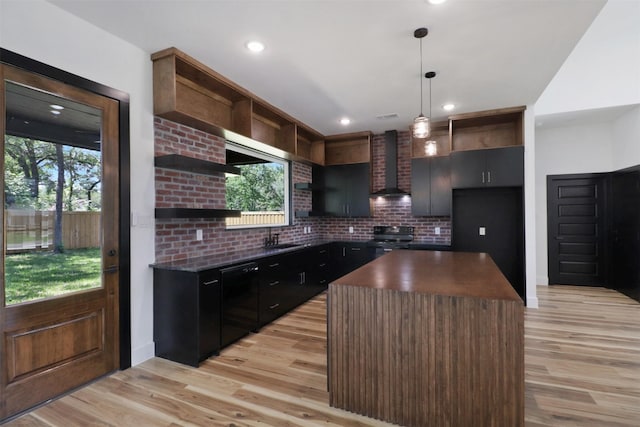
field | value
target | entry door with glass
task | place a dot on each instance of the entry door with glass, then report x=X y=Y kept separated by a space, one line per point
x=59 y=270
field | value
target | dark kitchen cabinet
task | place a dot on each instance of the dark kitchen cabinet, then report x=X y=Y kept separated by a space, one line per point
x=348 y=256
x=346 y=190
x=289 y=280
x=318 y=270
x=431 y=186
x=496 y=167
x=277 y=276
x=186 y=315
x=491 y=220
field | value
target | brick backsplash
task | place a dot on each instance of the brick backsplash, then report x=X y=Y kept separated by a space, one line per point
x=176 y=238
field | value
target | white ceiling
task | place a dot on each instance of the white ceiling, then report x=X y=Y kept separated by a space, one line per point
x=326 y=59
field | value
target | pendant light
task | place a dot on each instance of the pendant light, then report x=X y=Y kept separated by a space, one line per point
x=421 y=125
x=431 y=147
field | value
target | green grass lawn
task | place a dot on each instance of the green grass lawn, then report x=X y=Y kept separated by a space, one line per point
x=38 y=275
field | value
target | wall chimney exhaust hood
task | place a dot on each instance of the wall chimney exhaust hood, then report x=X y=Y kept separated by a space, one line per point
x=390 y=167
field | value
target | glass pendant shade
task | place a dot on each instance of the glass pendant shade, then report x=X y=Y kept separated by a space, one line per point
x=421 y=127
x=431 y=148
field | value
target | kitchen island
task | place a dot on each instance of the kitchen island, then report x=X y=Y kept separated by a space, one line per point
x=423 y=338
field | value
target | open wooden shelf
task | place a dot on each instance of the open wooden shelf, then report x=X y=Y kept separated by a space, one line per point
x=188 y=92
x=167 y=213
x=348 y=148
x=193 y=165
x=487 y=129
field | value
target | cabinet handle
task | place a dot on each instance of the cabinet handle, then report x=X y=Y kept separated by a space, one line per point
x=271 y=307
x=323 y=281
x=323 y=251
x=274 y=265
x=322 y=265
x=344 y=251
x=274 y=283
x=483 y=177
x=489 y=177
x=210 y=282
x=355 y=249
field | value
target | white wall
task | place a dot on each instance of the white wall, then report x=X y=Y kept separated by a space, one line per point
x=582 y=148
x=604 y=68
x=602 y=72
x=45 y=33
x=626 y=139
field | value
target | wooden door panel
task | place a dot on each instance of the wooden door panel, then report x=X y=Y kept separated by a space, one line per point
x=50 y=346
x=32 y=350
x=575 y=229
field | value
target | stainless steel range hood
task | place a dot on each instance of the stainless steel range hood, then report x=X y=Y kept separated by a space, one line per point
x=390 y=167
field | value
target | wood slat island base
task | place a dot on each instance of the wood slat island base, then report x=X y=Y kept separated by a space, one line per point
x=422 y=338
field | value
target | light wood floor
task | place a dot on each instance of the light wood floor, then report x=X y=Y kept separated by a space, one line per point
x=582 y=369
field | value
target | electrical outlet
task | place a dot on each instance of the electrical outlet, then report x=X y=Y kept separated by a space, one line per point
x=437 y=230
x=199 y=235
x=350 y=230
x=482 y=231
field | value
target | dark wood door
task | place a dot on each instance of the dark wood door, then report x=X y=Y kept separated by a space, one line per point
x=347 y=190
x=576 y=229
x=357 y=180
x=505 y=167
x=431 y=186
x=440 y=182
x=467 y=169
x=625 y=231
x=334 y=190
x=57 y=340
x=421 y=187
x=490 y=220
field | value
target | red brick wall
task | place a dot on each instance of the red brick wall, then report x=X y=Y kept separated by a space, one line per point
x=390 y=211
x=176 y=238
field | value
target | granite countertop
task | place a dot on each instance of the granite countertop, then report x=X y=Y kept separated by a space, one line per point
x=463 y=274
x=247 y=255
x=233 y=257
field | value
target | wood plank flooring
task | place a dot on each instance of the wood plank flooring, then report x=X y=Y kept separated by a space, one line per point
x=582 y=353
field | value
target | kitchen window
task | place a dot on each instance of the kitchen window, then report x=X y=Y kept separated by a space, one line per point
x=262 y=190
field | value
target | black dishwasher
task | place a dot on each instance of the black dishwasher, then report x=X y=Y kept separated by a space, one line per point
x=239 y=301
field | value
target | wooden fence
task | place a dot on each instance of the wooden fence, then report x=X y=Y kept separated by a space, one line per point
x=33 y=230
x=256 y=218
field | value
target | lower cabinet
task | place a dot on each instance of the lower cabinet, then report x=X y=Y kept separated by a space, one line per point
x=289 y=280
x=348 y=256
x=186 y=315
x=188 y=307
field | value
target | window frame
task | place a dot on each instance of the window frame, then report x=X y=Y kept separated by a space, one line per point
x=233 y=146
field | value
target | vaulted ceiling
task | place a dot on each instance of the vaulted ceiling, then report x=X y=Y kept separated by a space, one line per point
x=328 y=59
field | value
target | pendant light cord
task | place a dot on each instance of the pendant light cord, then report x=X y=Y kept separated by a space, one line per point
x=421 y=79
x=429 y=99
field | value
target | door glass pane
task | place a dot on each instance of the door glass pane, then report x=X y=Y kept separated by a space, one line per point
x=52 y=195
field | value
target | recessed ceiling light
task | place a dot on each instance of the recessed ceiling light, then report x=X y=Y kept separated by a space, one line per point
x=55 y=112
x=255 y=46
x=448 y=107
x=345 y=121
x=56 y=107
x=437 y=1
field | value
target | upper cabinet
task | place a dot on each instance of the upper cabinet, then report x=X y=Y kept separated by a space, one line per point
x=188 y=92
x=500 y=167
x=487 y=149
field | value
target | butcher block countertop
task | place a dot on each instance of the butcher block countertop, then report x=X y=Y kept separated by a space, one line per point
x=420 y=338
x=464 y=274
